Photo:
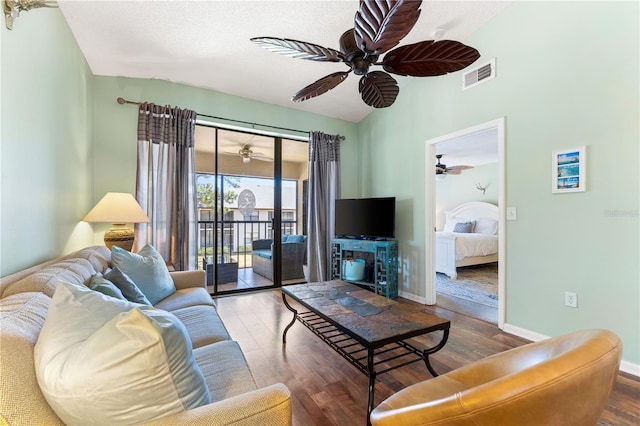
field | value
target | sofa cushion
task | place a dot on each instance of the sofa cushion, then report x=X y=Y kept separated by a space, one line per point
x=21 y=402
x=266 y=254
x=225 y=370
x=295 y=239
x=101 y=360
x=147 y=269
x=126 y=285
x=104 y=286
x=74 y=271
x=203 y=325
x=185 y=298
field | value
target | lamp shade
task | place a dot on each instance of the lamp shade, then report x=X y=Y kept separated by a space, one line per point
x=118 y=208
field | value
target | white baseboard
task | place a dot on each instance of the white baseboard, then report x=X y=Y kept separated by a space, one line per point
x=412 y=297
x=625 y=366
x=524 y=333
x=629 y=367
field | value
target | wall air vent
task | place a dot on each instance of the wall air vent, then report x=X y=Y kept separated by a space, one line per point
x=479 y=75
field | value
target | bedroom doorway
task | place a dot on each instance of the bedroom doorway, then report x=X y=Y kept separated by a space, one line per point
x=463 y=190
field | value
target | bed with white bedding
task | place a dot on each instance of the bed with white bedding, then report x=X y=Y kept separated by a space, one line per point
x=469 y=237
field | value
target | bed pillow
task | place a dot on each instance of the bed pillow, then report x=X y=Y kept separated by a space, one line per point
x=147 y=269
x=129 y=289
x=486 y=226
x=464 y=227
x=100 y=360
x=451 y=223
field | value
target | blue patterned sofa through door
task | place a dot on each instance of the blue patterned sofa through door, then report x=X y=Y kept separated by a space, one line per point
x=293 y=249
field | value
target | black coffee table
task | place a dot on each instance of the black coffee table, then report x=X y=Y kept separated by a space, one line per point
x=368 y=330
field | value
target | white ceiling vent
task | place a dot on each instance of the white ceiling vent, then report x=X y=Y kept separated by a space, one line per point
x=479 y=75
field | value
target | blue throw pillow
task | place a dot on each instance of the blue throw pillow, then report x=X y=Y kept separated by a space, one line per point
x=101 y=284
x=147 y=269
x=295 y=239
x=464 y=227
x=128 y=288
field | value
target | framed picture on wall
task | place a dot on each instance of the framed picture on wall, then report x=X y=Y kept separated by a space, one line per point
x=569 y=172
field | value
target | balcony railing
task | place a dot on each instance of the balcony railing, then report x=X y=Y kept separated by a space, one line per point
x=234 y=239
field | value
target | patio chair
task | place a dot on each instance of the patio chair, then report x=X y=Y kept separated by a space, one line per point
x=293 y=251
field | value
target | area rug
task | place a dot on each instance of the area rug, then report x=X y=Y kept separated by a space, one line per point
x=478 y=284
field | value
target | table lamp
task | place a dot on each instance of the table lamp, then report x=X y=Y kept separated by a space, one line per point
x=119 y=209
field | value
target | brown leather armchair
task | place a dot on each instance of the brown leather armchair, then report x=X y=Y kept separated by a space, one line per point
x=564 y=380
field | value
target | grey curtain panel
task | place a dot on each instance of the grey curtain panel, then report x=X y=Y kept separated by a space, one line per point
x=324 y=189
x=165 y=183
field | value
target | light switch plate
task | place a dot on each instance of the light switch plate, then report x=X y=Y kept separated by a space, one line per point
x=512 y=213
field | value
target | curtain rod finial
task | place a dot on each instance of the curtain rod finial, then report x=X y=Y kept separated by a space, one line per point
x=121 y=101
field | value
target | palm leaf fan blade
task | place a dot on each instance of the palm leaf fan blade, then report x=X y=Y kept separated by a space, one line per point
x=378 y=89
x=298 y=49
x=320 y=86
x=430 y=58
x=380 y=25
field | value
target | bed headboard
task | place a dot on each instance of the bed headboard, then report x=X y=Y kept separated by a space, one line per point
x=473 y=210
x=485 y=216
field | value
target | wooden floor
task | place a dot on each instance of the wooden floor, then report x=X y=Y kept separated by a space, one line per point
x=327 y=390
x=247 y=279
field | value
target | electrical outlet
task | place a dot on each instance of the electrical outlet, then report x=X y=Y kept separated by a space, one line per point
x=570 y=299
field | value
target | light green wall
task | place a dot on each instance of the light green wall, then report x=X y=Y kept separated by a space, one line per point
x=567 y=75
x=46 y=170
x=457 y=189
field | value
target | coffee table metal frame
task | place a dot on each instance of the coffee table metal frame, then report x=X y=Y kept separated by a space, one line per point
x=393 y=352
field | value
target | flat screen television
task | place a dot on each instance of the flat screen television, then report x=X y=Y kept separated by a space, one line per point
x=365 y=218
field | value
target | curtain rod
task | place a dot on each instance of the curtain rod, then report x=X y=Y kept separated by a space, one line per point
x=123 y=101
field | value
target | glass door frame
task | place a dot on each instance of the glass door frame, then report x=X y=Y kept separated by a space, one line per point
x=276 y=220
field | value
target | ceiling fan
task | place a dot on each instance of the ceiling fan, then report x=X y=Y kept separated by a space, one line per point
x=248 y=154
x=378 y=27
x=442 y=169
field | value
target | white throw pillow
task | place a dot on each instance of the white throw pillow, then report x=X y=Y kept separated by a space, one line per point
x=105 y=361
x=486 y=226
x=147 y=269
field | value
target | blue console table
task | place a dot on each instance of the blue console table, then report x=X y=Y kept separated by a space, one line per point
x=382 y=261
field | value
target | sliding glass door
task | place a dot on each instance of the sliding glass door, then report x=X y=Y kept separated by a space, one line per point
x=249 y=201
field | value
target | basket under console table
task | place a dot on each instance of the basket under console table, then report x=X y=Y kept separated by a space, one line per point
x=381 y=257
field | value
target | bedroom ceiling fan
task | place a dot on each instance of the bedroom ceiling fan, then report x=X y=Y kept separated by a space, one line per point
x=378 y=27
x=248 y=154
x=442 y=169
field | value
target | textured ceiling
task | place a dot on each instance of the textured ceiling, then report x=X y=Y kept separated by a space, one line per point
x=206 y=43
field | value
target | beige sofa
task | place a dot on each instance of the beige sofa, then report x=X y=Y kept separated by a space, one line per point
x=24 y=301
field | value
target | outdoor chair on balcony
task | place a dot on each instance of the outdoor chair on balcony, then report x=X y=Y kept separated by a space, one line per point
x=293 y=249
